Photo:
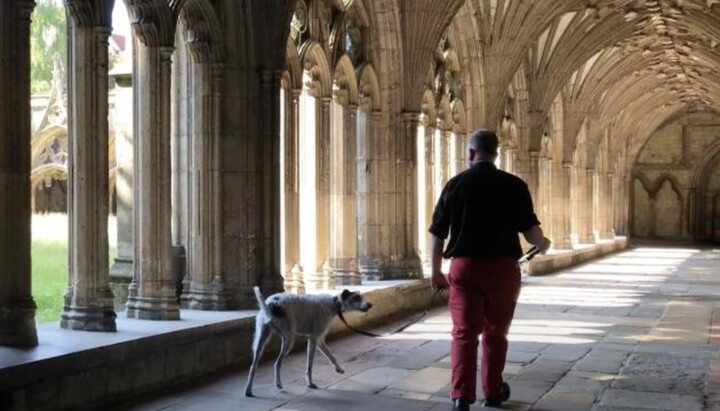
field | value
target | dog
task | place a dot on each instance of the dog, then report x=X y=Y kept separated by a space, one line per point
x=289 y=315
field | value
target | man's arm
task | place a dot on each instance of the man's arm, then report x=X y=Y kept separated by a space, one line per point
x=438 y=280
x=536 y=237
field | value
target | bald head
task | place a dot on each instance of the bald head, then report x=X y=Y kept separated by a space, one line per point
x=482 y=146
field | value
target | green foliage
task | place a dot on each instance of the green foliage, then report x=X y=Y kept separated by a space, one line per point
x=49 y=278
x=48 y=37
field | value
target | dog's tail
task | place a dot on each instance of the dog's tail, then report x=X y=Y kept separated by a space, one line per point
x=272 y=309
x=261 y=300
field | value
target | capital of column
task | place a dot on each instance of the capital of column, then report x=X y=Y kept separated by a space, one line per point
x=80 y=11
x=376 y=117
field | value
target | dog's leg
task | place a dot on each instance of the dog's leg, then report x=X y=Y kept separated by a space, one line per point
x=311 y=345
x=287 y=344
x=262 y=332
x=326 y=350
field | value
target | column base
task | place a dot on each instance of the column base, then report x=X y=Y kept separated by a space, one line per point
x=586 y=240
x=294 y=280
x=17 y=324
x=121 y=274
x=201 y=297
x=407 y=269
x=88 y=319
x=153 y=308
x=346 y=272
x=323 y=280
x=607 y=235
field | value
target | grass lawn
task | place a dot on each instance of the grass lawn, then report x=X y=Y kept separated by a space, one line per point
x=50 y=263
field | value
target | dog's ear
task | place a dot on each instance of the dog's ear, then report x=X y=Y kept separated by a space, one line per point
x=345 y=294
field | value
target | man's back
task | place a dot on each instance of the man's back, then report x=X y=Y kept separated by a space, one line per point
x=483 y=209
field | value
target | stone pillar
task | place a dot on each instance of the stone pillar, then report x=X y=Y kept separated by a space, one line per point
x=322 y=277
x=369 y=196
x=205 y=286
x=583 y=206
x=591 y=196
x=431 y=197
x=344 y=230
x=293 y=271
x=544 y=204
x=607 y=206
x=439 y=159
x=560 y=177
x=17 y=308
x=271 y=268
x=88 y=300
x=152 y=292
x=460 y=152
x=121 y=272
x=532 y=175
x=406 y=187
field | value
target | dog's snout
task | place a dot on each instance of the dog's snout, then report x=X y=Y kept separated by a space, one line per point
x=369 y=306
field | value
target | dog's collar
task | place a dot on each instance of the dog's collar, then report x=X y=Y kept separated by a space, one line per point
x=338 y=304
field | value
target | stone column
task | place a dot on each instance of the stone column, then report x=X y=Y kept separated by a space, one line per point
x=271 y=268
x=293 y=271
x=322 y=277
x=431 y=197
x=205 y=286
x=460 y=152
x=88 y=300
x=607 y=205
x=583 y=207
x=406 y=188
x=344 y=232
x=591 y=194
x=560 y=177
x=121 y=272
x=152 y=292
x=532 y=175
x=543 y=205
x=439 y=159
x=17 y=308
x=369 y=196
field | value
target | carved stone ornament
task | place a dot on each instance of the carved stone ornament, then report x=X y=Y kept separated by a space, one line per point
x=298 y=25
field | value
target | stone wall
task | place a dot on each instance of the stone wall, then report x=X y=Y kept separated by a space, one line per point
x=674 y=173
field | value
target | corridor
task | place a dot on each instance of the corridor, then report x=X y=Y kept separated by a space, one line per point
x=638 y=330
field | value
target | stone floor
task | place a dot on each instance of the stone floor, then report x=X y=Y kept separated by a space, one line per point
x=635 y=331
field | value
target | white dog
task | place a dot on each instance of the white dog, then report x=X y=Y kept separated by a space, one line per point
x=289 y=315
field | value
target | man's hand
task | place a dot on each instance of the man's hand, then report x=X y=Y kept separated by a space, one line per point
x=543 y=245
x=439 y=281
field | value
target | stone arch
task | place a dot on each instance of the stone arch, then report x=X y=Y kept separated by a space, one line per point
x=697 y=204
x=294 y=67
x=369 y=97
x=345 y=82
x=42 y=139
x=201 y=30
x=667 y=207
x=315 y=63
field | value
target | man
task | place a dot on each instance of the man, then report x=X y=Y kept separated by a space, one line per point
x=483 y=209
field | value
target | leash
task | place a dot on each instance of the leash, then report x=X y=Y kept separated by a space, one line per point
x=529 y=255
x=401 y=329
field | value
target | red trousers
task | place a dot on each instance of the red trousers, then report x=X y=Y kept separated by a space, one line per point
x=483 y=295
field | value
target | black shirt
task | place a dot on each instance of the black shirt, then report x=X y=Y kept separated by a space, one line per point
x=483 y=209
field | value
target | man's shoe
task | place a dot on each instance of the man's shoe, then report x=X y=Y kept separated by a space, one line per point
x=497 y=402
x=461 y=404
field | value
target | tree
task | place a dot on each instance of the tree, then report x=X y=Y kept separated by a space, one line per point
x=48 y=38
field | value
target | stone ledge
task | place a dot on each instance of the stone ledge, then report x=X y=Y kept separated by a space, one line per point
x=76 y=370
x=557 y=260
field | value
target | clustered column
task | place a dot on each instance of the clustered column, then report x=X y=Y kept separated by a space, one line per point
x=17 y=308
x=152 y=293
x=88 y=300
x=293 y=271
x=345 y=231
x=371 y=169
